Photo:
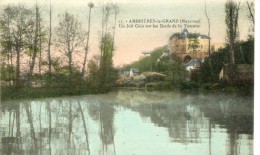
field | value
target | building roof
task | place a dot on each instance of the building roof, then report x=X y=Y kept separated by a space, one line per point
x=185 y=34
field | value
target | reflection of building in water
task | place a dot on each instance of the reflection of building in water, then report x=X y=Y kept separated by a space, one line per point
x=191 y=120
x=188 y=120
x=185 y=124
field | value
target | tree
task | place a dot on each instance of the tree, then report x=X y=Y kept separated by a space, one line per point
x=150 y=62
x=94 y=73
x=20 y=24
x=251 y=10
x=106 y=63
x=193 y=42
x=232 y=10
x=208 y=25
x=106 y=9
x=116 y=11
x=70 y=36
x=91 y=5
x=209 y=71
x=49 y=41
x=42 y=40
x=35 y=46
x=107 y=72
x=6 y=44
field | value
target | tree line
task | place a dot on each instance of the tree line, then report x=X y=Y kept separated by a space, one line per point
x=235 y=52
x=28 y=40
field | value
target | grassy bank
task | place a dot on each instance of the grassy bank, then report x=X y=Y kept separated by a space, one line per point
x=29 y=92
x=201 y=88
x=26 y=93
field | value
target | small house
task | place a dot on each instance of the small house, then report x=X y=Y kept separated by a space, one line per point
x=134 y=72
x=193 y=64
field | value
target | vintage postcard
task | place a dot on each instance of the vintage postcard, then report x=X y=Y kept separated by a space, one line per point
x=127 y=77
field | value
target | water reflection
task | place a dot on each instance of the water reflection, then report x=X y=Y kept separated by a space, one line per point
x=128 y=122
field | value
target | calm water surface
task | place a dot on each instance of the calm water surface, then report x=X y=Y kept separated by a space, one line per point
x=128 y=123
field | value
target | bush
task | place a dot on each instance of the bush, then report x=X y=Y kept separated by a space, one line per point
x=210 y=69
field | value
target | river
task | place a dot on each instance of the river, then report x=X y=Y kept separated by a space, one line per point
x=129 y=123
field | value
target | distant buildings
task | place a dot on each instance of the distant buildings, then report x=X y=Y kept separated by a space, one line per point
x=134 y=72
x=189 y=46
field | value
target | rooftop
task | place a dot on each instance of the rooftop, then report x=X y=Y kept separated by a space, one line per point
x=186 y=34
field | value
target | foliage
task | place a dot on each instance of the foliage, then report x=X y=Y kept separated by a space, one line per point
x=23 y=38
x=101 y=73
x=148 y=63
x=70 y=35
x=232 y=10
x=93 y=74
x=64 y=77
x=176 y=73
x=163 y=65
x=16 y=24
x=107 y=75
x=193 y=42
x=209 y=71
x=245 y=52
x=41 y=92
x=6 y=73
x=90 y=5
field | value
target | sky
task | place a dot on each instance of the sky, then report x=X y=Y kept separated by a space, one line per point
x=131 y=42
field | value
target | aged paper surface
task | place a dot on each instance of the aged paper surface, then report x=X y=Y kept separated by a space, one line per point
x=127 y=77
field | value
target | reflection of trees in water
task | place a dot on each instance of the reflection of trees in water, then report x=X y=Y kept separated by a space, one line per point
x=11 y=144
x=237 y=126
x=84 y=125
x=101 y=110
x=58 y=123
x=107 y=123
x=32 y=131
x=175 y=111
x=70 y=125
x=67 y=116
x=93 y=109
x=50 y=126
x=33 y=126
x=190 y=119
x=183 y=123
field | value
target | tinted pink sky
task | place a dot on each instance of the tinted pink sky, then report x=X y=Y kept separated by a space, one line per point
x=130 y=43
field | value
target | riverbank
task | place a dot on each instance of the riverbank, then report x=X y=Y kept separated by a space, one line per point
x=45 y=92
x=28 y=93
x=218 y=88
x=193 y=87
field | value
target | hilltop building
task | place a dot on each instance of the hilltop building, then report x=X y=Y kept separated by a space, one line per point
x=187 y=46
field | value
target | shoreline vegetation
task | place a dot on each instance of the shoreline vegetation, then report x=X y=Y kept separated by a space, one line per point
x=8 y=93
x=154 y=75
x=30 y=69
